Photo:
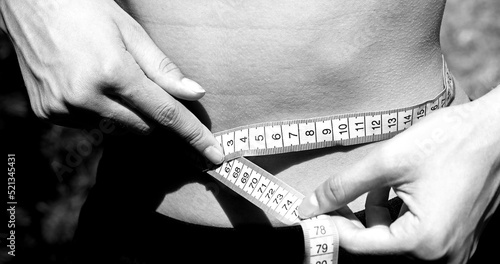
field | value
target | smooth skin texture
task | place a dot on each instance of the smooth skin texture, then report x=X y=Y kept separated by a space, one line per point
x=446 y=170
x=265 y=61
x=90 y=60
x=118 y=73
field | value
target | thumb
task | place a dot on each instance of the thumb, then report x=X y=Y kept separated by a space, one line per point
x=398 y=238
x=156 y=65
x=336 y=192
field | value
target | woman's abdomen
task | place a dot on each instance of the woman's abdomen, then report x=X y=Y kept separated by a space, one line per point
x=278 y=60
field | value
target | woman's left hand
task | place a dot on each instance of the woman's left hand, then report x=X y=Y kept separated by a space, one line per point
x=446 y=169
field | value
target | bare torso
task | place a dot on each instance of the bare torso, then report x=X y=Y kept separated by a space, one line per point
x=277 y=60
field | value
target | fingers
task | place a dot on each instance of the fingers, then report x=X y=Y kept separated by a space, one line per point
x=127 y=118
x=403 y=210
x=148 y=80
x=376 y=209
x=158 y=67
x=106 y=108
x=346 y=212
x=157 y=105
x=345 y=187
x=376 y=240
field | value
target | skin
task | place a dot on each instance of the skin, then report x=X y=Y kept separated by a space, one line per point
x=347 y=57
x=121 y=75
x=450 y=188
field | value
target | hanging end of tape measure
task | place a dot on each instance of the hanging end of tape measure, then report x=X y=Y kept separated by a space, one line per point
x=321 y=240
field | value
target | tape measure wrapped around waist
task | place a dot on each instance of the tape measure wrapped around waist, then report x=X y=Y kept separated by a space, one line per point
x=275 y=196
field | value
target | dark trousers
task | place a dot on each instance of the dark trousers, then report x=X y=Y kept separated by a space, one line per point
x=118 y=223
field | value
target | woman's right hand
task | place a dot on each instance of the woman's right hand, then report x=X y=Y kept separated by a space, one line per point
x=87 y=60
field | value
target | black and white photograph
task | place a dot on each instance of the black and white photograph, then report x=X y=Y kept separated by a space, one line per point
x=238 y=131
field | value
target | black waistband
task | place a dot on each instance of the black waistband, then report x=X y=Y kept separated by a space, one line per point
x=118 y=229
x=119 y=222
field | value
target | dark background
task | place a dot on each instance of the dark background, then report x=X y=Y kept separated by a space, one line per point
x=49 y=200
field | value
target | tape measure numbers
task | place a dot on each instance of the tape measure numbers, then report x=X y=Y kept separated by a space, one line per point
x=261 y=188
x=274 y=196
x=321 y=240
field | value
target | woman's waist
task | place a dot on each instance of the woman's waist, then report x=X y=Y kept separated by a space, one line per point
x=246 y=97
x=211 y=203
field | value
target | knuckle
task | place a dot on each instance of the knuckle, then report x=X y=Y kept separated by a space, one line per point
x=50 y=110
x=384 y=156
x=429 y=251
x=428 y=247
x=144 y=129
x=166 y=66
x=387 y=159
x=40 y=113
x=122 y=122
x=111 y=69
x=168 y=115
x=336 y=189
x=78 y=98
x=195 y=135
x=136 y=27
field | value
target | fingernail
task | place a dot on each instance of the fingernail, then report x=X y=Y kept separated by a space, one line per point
x=308 y=207
x=214 y=154
x=192 y=85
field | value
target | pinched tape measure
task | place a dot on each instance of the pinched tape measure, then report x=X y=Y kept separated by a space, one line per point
x=281 y=200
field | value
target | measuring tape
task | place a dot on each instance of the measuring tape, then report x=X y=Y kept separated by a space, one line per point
x=321 y=240
x=277 y=198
